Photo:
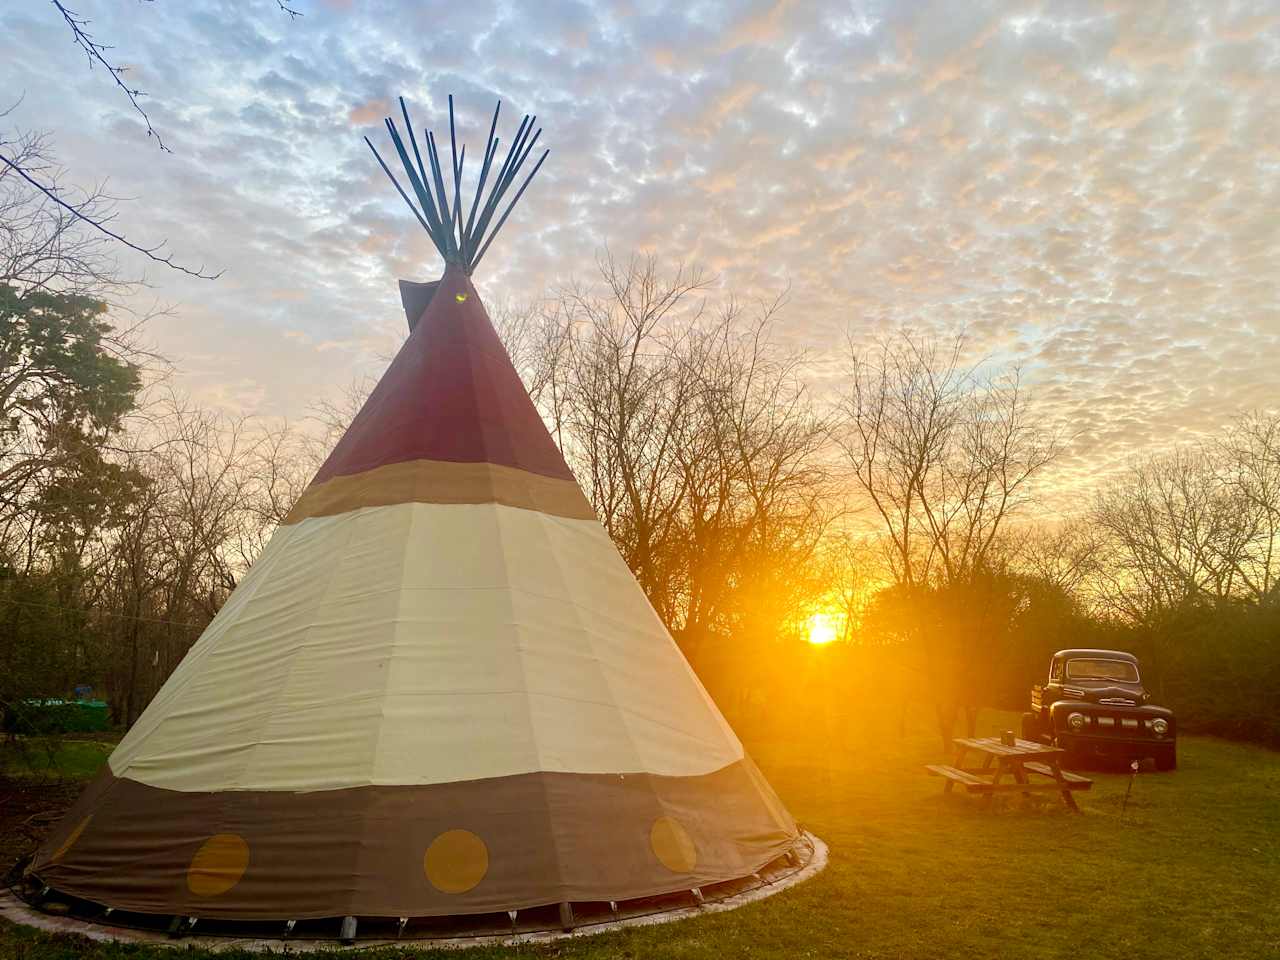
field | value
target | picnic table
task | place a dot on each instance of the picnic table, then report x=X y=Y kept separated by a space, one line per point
x=1021 y=760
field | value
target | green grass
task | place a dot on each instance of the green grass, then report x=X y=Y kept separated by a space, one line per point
x=39 y=757
x=1192 y=869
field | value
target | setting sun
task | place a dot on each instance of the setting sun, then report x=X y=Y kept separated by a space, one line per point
x=822 y=629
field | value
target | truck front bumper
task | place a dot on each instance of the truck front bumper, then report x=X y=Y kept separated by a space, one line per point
x=1115 y=747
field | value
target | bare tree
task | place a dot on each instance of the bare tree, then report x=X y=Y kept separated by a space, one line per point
x=1201 y=523
x=693 y=436
x=1170 y=527
x=853 y=569
x=1248 y=464
x=280 y=465
x=188 y=538
x=328 y=418
x=902 y=406
x=756 y=485
x=945 y=457
x=1191 y=562
x=43 y=246
x=1067 y=556
x=623 y=394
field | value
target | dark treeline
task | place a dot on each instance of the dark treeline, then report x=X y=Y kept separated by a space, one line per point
x=126 y=513
x=900 y=516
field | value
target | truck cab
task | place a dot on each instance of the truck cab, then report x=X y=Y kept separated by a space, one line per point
x=1094 y=705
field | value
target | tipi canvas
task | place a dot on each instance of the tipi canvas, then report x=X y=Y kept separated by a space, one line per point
x=439 y=690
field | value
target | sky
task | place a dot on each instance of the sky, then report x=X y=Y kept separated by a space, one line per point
x=1089 y=190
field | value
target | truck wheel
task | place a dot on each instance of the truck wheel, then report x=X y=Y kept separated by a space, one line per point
x=1030 y=727
x=1167 y=760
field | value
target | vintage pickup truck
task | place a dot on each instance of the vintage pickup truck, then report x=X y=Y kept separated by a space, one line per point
x=1094 y=705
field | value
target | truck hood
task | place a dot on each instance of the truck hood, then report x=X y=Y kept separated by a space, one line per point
x=1096 y=691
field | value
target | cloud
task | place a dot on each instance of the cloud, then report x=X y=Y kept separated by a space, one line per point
x=370 y=112
x=1089 y=191
x=758 y=27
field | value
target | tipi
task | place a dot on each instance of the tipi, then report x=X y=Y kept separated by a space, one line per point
x=439 y=690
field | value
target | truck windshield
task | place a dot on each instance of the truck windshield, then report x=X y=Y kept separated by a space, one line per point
x=1090 y=669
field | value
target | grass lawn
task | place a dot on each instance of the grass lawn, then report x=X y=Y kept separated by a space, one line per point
x=63 y=759
x=1192 y=869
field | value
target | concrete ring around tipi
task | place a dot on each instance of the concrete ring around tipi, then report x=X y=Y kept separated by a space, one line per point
x=811 y=856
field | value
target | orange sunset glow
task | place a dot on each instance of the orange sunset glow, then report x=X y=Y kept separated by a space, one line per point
x=519 y=475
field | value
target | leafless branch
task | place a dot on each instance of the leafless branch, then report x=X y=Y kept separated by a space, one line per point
x=96 y=53
x=100 y=225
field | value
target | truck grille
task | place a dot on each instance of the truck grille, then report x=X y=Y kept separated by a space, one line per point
x=1104 y=725
x=1117 y=723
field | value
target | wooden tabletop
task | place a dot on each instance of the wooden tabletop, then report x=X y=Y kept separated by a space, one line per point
x=1020 y=748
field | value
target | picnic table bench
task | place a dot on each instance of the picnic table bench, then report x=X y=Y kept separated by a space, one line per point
x=1020 y=760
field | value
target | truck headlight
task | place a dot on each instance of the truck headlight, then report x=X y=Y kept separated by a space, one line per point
x=1076 y=721
x=1160 y=726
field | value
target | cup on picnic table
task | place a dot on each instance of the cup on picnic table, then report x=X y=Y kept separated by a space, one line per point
x=1007 y=738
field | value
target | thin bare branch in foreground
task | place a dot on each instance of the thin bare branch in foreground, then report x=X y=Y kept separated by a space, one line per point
x=96 y=52
x=149 y=252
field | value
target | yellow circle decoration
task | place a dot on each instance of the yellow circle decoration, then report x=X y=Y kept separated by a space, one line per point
x=460 y=297
x=672 y=845
x=456 y=861
x=72 y=837
x=218 y=865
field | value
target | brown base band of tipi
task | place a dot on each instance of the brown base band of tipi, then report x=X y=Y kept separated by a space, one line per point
x=437 y=850
x=34 y=906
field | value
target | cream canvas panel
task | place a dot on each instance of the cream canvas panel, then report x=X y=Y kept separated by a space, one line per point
x=427 y=643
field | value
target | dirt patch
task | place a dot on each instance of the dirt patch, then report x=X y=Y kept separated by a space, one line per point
x=29 y=809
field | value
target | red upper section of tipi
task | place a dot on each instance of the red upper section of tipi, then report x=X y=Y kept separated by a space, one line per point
x=451 y=393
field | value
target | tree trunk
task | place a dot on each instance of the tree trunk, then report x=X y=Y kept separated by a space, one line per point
x=946 y=714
